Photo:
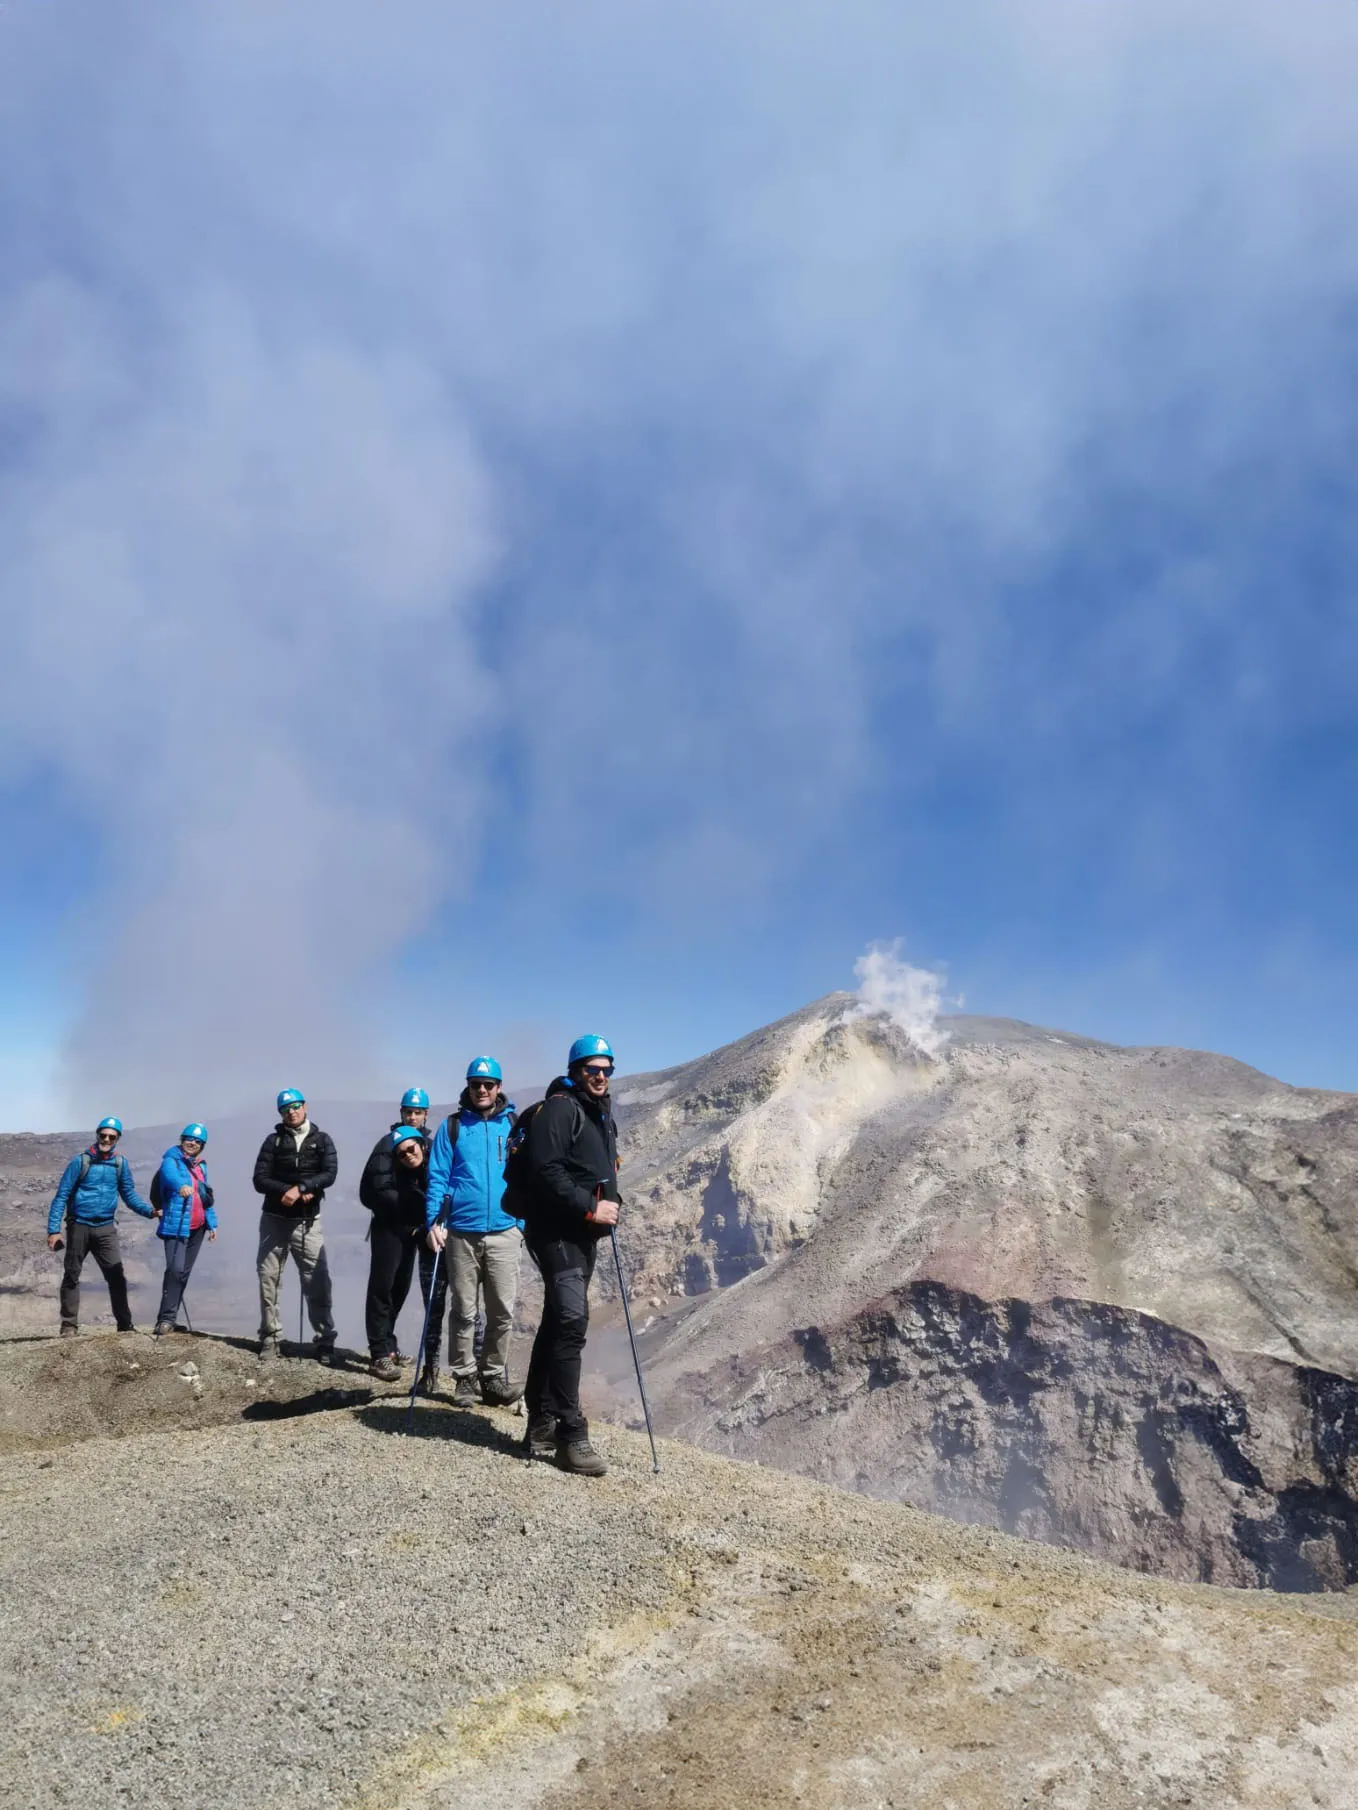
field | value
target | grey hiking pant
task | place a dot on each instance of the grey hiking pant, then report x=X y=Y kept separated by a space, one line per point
x=279 y=1236
x=489 y=1262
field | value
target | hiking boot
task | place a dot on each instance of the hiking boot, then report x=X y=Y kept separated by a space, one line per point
x=325 y=1354
x=268 y=1350
x=128 y=1328
x=580 y=1458
x=539 y=1442
x=464 y=1392
x=69 y=1332
x=499 y=1392
x=429 y=1380
x=386 y=1368
x=162 y=1327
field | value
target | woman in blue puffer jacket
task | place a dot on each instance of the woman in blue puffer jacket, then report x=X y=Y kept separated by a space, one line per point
x=187 y=1216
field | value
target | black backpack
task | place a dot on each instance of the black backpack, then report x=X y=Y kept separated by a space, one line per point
x=517 y=1177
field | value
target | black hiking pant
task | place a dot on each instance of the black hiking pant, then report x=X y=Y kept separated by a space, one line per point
x=433 y=1336
x=552 y=1391
x=101 y=1243
x=180 y=1256
x=390 y=1267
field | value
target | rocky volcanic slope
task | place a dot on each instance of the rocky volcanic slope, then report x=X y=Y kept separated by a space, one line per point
x=324 y=1613
x=1036 y=1282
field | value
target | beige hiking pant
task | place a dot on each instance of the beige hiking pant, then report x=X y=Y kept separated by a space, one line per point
x=281 y=1236
x=488 y=1262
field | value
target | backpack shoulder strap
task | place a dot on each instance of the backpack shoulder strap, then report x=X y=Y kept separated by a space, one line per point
x=85 y=1160
x=454 y=1124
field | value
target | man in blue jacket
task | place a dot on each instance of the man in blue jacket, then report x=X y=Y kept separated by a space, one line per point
x=482 y=1244
x=87 y=1198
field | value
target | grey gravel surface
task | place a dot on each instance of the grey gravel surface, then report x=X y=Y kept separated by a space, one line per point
x=244 y=1616
x=326 y=1612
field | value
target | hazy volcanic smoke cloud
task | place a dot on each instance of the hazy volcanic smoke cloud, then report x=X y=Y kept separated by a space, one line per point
x=248 y=568
x=387 y=393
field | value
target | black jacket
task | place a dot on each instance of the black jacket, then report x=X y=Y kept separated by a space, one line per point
x=280 y=1165
x=388 y=1189
x=572 y=1148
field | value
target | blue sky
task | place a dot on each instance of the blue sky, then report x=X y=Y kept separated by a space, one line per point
x=588 y=518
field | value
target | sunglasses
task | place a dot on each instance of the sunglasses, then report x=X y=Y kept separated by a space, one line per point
x=106 y=1137
x=478 y=1084
x=599 y=1068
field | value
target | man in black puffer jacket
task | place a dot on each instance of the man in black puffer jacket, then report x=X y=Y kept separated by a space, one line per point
x=569 y=1202
x=295 y=1166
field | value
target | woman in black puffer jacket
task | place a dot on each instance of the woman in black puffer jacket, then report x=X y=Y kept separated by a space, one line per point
x=394 y=1195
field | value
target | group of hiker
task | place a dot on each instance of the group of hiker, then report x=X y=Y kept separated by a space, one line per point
x=461 y=1202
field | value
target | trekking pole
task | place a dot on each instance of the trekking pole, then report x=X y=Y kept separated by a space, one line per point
x=636 y=1358
x=424 y=1334
x=301 y=1309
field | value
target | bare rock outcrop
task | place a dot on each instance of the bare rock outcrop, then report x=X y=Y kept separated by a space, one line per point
x=1071 y=1422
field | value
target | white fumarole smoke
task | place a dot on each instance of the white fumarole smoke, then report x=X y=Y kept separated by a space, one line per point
x=910 y=997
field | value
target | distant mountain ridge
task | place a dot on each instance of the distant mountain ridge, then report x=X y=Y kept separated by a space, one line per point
x=1022 y=1161
x=940 y=1280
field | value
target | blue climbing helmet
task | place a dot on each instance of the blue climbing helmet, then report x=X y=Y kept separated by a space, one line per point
x=290 y=1097
x=195 y=1131
x=484 y=1068
x=585 y=1048
x=110 y=1124
x=414 y=1099
x=404 y=1133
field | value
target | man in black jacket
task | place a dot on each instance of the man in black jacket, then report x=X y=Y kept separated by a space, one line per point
x=569 y=1202
x=295 y=1166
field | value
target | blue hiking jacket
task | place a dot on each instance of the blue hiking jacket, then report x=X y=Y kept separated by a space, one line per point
x=96 y=1198
x=467 y=1180
x=176 y=1210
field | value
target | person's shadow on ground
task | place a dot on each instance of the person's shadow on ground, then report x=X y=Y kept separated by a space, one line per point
x=434 y=1421
x=320 y=1401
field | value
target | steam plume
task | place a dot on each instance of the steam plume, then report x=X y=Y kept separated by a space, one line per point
x=910 y=997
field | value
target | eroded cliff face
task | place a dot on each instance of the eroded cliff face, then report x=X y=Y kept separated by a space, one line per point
x=1071 y=1422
